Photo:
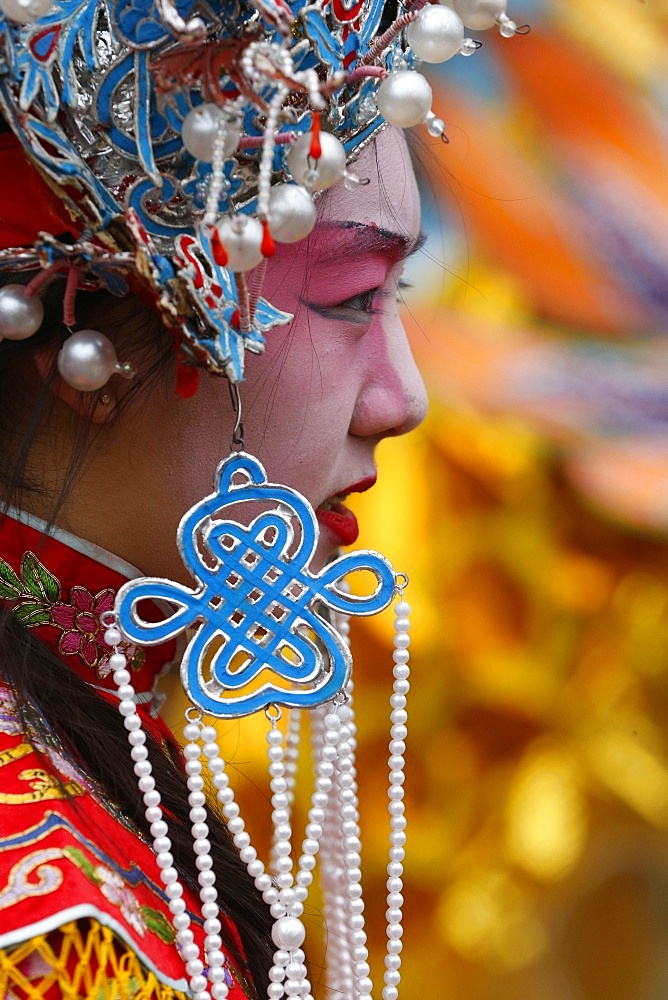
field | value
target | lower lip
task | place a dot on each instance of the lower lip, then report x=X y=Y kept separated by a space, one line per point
x=340 y=522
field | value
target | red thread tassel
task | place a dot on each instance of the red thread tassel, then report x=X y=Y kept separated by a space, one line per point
x=268 y=247
x=315 y=150
x=187 y=376
x=219 y=251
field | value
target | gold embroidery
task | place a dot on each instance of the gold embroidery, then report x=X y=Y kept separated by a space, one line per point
x=44 y=786
x=14 y=753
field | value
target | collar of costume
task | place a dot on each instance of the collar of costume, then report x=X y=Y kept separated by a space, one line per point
x=177 y=143
x=58 y=586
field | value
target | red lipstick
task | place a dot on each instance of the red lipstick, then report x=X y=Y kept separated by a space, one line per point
x=339 y=519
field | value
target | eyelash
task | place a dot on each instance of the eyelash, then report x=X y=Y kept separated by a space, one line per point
x=354 y=311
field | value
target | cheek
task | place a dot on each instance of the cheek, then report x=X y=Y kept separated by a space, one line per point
x=298 y=401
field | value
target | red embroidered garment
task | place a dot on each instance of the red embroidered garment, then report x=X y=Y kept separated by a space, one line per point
x=66 y=854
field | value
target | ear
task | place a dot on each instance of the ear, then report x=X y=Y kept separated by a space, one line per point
x=97 y=407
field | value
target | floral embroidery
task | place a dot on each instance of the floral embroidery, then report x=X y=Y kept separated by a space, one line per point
x=116 y=891
x=84 y=631
x=38 y=600
x=114 y=888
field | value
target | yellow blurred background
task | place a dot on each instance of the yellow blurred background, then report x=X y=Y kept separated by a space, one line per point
x=530 y=513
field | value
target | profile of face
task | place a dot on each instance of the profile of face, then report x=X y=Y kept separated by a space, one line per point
x=315 y=405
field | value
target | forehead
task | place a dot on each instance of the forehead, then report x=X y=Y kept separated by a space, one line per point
x=390 y=199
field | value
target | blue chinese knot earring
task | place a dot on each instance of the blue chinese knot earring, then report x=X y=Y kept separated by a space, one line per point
x=268 y=633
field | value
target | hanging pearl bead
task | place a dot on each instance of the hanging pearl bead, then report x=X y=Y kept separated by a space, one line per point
x=25 y=11
x=241 y=235
x=436 y=35
x=87 y=360
x=292 y=213
x=21 y=315
x=404 y=98
x=328 y=169
x=435 y=126
x=201 y=127
x=479 y=15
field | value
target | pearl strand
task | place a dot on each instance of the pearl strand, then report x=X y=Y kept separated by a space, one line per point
x=397 y=746
x=351 y=846
x=195 y=732
x=216 y=178
x=290 y=772
x=339 y=974
x=268 y=146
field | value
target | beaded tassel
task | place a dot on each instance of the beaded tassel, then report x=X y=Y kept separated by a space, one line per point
x=332 y=830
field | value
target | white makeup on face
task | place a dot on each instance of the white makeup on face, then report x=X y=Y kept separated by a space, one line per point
x=327 y=389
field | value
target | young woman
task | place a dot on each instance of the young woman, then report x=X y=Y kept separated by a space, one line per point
x=116 y=877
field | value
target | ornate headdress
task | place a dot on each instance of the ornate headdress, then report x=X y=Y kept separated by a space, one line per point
x=164 y=147
x=178 y=142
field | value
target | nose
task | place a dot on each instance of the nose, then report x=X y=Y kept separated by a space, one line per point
x=393 y=398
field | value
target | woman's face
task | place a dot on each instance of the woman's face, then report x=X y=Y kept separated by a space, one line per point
x=327 y=389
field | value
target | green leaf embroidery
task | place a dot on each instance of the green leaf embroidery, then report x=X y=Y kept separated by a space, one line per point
x=10 y=585
x=33 y=613
x=79 y=859
x=37 y=578
x=158 y=923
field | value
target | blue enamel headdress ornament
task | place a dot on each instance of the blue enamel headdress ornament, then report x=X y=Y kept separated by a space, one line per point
x=185 y=139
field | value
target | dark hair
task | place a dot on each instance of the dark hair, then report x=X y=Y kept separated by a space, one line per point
x=52 y=699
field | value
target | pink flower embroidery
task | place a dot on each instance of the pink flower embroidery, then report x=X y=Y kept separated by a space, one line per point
x=116 y=891
x=84 y=632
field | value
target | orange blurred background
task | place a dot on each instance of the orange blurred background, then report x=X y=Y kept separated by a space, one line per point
x=531 y=513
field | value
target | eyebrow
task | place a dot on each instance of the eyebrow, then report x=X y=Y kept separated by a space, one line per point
x=369 y=239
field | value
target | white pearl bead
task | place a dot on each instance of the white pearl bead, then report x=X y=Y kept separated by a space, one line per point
x=121 y=677
x=241 y=236
x=200 y=130
x=292 y=213
x=404 y=98
x=328 y=169
x=112 y=637
x=87 y=360
x=480 y=14
x=436 y=35
x=288 y=932
x=24 y=11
